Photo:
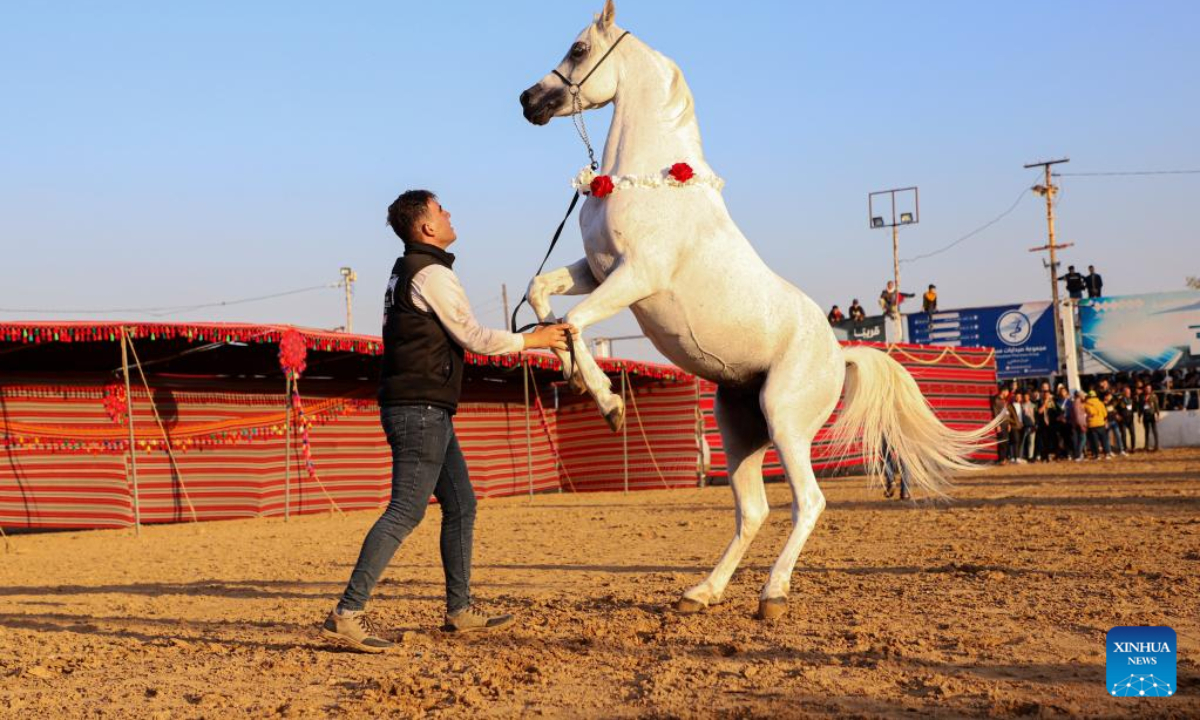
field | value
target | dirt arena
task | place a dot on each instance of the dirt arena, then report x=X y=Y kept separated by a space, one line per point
x=994 y=604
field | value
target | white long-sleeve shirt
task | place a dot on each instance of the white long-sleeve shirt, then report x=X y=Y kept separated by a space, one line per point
x=437 y=289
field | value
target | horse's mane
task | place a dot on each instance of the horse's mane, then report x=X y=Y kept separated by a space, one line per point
x=680 y=107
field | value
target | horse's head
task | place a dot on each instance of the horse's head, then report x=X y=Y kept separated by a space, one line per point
x=551 y=96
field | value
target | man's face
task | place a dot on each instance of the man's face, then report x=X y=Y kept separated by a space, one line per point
x=435 y=226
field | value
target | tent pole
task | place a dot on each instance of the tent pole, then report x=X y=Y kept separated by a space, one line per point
x=287 y=449
x=528 y=428
x=625 y=435
x=137 y=510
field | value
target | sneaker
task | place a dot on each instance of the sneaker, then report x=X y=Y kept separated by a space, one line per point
x=1020 y=461
x=1124 y=454
x=471 y=619
x=1109 y=456
x=354 y=629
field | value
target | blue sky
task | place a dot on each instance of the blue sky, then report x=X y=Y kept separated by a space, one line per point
x=162 y=154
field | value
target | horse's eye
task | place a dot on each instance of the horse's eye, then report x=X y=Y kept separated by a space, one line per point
x=578 y=50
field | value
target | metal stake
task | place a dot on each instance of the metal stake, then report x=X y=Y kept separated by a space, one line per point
x=137 y=508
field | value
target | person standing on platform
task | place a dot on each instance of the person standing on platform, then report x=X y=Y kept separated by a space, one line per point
x=1094 y=283
x=929 y=300
x=1075 y=283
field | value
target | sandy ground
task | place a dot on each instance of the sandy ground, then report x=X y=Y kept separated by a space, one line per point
x=995 y=604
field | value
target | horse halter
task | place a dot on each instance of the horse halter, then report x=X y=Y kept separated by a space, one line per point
x=577 y=102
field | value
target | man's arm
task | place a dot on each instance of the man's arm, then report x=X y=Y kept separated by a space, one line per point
x=437 y=289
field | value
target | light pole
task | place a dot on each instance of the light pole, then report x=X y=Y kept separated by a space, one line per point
x=911 y=216
x=1048 y=191
x=348 y=278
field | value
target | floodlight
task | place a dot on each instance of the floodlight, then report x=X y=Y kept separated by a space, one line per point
x=906 y=218
x=876 y=222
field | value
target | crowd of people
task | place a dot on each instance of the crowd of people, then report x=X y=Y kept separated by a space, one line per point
x=1038 y=423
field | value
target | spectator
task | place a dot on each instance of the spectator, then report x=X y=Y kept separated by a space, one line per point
x=1075 y=283
x=1066 y=424
x=1047 y=421
x=929 y=300
x=857 y=314
x=835 y=315
x=1079 y=424
x=1097 y=426
x=1000 y=415
x=1094 y=283
x=1016 y=428
x=1149 y=411
x=1115 y=420
x=890 y=299
x=1128 y=408
x=1025 y=449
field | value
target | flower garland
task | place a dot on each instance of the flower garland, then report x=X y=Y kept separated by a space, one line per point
x=679 y=175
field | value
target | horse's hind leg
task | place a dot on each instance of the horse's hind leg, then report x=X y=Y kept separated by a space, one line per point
x=795 y=411
x=744 y=434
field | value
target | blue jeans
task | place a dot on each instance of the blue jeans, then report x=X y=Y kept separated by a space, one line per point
x=426 y=460
x=1117 y=442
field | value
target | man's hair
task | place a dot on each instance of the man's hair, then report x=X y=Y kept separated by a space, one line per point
x=406 y=211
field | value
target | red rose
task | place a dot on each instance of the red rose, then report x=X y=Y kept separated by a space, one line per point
x=682 y=172
x=601 y=185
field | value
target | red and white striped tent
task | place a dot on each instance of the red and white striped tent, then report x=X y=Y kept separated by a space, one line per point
x=221 y=446
x=957 y=382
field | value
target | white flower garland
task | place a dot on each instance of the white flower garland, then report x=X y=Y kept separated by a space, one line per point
x=583 y=181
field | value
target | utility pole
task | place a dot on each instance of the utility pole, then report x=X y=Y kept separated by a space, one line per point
x=504 y=298
x=348 y=278
x=1048 y=191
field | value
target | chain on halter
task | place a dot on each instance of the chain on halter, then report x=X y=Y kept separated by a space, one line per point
x=580 y=127
x=576 y=89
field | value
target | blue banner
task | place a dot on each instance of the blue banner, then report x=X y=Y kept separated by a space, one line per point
x=1022 y=335
x=1157 y=331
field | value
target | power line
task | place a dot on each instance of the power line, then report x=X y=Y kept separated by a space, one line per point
x=169 y=309
x=1127 y=173
x=974 y=232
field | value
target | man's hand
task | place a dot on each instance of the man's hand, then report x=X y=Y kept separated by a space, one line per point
x=550 y=336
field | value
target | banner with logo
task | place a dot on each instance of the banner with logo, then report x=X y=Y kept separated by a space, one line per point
x=1158 y=331
x=871 y=329
x=1022 y=335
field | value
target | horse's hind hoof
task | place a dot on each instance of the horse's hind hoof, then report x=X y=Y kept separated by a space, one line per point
x=771 y=608
x=616 y=416
x=688 y=606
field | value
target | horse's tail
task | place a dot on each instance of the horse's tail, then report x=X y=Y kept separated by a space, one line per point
x=883 y=403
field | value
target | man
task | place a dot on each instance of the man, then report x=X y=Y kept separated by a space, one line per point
x=1128 y=409
x=1079 y=424
x=889 y=299
x=1115 y=419
x=1075 y=283
x=894 y=470
x=428 y=324
x=1149 y=411
x=1097 y=426
x=1000 y=413
x=1094 y=283
x=857 y=314
x=836 y=316
x=929 y=300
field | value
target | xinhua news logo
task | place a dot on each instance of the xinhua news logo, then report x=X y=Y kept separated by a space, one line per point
x=1140 y=662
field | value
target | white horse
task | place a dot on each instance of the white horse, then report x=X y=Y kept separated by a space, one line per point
x=669 y=251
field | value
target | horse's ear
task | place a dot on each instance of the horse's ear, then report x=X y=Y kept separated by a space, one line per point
x=609 y=14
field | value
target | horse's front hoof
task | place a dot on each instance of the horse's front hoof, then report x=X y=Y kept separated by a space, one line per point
x=616 y=416
x=771 y=608
x=688 y=606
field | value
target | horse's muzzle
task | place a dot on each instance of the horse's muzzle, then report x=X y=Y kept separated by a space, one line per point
x=540 y=105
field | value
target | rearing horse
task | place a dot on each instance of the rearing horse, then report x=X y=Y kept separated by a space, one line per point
x=662 y=244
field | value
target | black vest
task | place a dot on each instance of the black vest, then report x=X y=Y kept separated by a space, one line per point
x=422 y=364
